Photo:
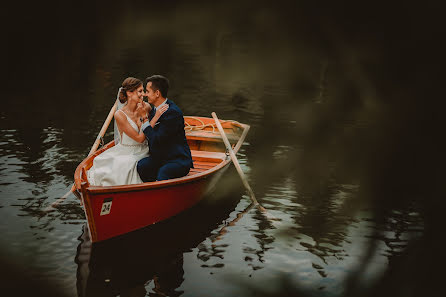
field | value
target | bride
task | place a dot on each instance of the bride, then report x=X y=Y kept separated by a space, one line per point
x=117 y=165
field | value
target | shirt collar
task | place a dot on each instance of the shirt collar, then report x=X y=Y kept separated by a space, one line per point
x=165 y=101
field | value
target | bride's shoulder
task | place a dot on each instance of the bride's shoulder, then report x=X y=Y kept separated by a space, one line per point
x=119 y=115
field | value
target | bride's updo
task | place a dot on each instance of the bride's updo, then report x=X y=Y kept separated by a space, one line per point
x=129 y=84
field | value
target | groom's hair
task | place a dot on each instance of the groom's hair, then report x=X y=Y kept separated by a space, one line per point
x=160 y=83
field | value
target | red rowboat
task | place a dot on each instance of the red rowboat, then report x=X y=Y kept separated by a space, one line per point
x=116 y=210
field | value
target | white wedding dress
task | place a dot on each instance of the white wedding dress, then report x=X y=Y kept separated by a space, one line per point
x=117 y=165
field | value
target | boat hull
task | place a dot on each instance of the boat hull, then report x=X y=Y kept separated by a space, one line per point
x=113 y=214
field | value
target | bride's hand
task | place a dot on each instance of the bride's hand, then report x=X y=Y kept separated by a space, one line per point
x=140 y=110
x=158 y=113
x=161 y=110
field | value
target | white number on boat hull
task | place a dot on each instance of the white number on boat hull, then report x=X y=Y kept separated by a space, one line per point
x=106 y=206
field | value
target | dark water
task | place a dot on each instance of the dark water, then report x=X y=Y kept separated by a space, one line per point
x=344 y=148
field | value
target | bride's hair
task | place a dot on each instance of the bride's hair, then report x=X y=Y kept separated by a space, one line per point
x=129 y=84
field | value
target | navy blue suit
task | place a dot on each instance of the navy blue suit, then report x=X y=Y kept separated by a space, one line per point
x=170 y=155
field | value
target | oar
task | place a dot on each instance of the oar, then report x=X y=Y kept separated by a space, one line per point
x=236 y=163
x=93 y=149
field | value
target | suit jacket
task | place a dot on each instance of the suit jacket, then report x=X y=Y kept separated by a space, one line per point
x=167 y=140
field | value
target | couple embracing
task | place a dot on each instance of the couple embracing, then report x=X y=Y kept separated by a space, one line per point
x=150 y=142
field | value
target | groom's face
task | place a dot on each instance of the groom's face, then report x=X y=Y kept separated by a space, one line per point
x=151 y=95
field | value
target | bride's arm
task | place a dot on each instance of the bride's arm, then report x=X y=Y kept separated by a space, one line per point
x=125 y=127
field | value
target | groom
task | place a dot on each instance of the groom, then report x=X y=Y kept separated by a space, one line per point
x=170 y=155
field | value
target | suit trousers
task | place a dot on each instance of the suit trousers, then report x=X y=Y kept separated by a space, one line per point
x=150 y=169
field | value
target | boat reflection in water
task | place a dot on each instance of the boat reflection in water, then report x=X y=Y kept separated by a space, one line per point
x=125 y=265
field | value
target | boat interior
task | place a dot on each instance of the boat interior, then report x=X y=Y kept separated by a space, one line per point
x=206 y=144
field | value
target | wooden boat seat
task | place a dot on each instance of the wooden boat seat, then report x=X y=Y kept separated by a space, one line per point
x=204 y=160
x=208 y=156
x=209 y=136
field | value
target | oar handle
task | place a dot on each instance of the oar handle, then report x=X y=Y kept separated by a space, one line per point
x=103 y=129
x=234 y=159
